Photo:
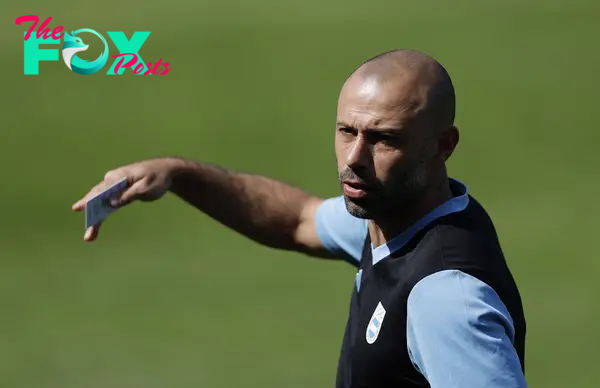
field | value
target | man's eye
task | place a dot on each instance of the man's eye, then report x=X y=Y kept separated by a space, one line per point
x=347 y=130
x=382 y=137
x=385 y=139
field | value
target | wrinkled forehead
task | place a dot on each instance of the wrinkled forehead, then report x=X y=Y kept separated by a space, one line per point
x=373 y=101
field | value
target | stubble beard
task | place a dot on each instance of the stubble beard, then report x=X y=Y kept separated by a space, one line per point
x=394 y=197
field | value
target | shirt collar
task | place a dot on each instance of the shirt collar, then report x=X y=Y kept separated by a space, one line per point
x=453 y=205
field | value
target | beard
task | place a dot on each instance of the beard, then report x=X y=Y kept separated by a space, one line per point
x=384 y=198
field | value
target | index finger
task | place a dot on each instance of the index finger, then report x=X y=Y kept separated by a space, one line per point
x=100 y=187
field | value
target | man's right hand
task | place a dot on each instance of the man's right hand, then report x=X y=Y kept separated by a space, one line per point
x=148 y=181
x=265 y=210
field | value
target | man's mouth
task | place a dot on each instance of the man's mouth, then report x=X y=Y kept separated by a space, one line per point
x=354 y=189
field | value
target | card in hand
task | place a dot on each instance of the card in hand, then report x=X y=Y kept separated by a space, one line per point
x=98 y=208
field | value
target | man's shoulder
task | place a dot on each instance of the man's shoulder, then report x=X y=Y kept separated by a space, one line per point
x=468 y=247
x=464 y=241
x=339 y=231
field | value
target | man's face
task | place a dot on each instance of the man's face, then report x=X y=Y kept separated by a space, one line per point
x=384 y=149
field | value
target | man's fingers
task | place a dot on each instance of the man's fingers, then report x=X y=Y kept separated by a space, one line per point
x=110 y=179
x=80 y=205
x=131 y=194
x=100 y=187
x=91 y=233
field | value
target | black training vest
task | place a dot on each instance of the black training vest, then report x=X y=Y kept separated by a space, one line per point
x=464 y=241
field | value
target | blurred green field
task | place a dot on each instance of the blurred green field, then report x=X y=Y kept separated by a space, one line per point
x=169 y=298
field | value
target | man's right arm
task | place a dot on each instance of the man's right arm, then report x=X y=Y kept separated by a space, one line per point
x=265 y=210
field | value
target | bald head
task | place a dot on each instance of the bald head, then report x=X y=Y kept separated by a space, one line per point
x=415 y=82
x=395 y=131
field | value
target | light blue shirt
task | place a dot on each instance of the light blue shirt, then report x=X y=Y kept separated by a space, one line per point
x=459 y=332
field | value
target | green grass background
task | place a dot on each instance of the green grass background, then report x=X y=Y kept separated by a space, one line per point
x=169 y=298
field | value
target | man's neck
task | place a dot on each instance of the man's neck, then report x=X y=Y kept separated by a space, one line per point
x=384 y=229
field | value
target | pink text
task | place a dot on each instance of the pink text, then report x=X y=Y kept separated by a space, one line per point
x=41 y=31
x=138 y=69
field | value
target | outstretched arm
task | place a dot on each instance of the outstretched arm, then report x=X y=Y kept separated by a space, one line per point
x=268 y=211
x=265 y=210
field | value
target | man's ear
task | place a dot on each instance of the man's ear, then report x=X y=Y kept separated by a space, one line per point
x=448 y=141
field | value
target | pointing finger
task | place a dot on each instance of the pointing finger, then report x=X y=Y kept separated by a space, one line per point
x=80 y=205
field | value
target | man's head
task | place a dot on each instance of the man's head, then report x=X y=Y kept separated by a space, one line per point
x=394 y=132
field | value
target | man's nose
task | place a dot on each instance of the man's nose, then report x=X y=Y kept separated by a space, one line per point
x=360 y=153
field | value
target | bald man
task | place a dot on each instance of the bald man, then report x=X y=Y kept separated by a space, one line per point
x=433 y=302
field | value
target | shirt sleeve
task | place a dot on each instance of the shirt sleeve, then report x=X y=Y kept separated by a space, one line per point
x=460 y=334
x=339 y=231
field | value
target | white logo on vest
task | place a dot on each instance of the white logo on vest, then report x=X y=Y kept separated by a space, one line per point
x=375 y=324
